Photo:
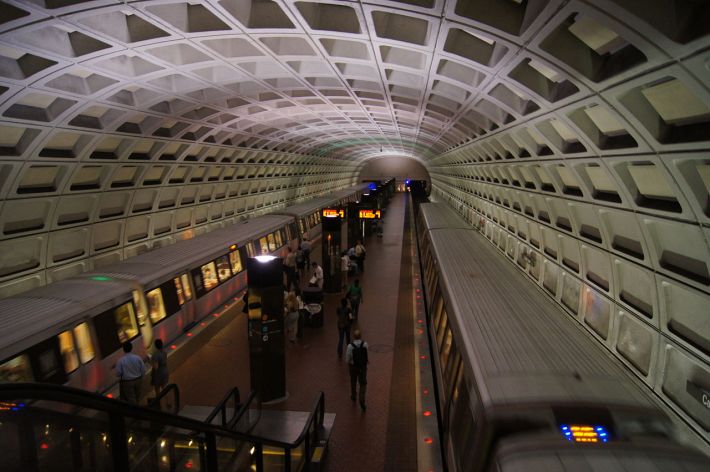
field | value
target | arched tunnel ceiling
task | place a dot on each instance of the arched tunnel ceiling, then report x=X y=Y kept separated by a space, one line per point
x=574 y=133
x=128 y=125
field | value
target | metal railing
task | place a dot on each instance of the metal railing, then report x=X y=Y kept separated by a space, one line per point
x=169 y=389
x=72 y=429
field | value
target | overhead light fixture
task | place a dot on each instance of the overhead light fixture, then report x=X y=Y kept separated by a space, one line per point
x=265 y=258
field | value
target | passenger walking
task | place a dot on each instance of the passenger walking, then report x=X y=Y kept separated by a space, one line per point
x=360 y=254
x=306 y=247
x=291 y=309
x=356 y=356
x=290 y=267
x=300 y=262
x=130 y=371
x=318 y=274
x=344 y=267
x=159 y=362
x=354 y=295
x=345 y=320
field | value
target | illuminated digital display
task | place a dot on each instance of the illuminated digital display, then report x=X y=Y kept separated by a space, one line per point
x=370 y=214
x=580 y=433
x=333 y=213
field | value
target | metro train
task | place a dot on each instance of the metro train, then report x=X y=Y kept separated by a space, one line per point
x=521 y=386
x=71 y=331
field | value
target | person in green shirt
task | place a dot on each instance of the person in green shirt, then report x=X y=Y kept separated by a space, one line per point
x=354 y=295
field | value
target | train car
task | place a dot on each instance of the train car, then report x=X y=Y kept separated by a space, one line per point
x=521 y=386
x=71 y=331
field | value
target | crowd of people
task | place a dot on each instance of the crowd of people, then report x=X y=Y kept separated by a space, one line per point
x=131 y=368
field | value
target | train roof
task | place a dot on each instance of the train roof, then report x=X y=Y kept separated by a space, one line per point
x=440 y=215
x=527 y=350
x=155 y=265
x=26 y=319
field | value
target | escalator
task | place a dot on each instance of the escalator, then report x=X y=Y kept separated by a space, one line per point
x=45 y=427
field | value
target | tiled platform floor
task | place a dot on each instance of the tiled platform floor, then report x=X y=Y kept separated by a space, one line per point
x=359 y=439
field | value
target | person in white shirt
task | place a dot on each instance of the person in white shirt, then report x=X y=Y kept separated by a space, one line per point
x=318 y=274
x=360 y=255
x=130 y=370
x=344 y=266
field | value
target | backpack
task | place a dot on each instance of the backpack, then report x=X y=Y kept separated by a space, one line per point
x=359 y=355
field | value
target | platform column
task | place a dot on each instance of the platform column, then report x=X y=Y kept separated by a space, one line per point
x=265 y=326
x=331 y=245
x=355 y=225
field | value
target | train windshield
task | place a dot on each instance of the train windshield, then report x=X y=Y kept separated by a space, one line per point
x=580 y=424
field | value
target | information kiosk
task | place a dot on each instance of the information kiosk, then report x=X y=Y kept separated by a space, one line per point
x=265 y=326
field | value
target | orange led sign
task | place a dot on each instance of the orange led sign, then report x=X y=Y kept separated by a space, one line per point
x=370 y=214
x=333 y=213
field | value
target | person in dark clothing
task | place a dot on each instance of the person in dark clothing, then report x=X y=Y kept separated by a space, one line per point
x=159 y=362
x=356 y=356
x=345 y=319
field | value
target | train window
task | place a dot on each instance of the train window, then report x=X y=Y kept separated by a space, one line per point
x=83 y=342
x=126 y=326
x=141 y=310
x=441 y=330
x=280 y=237
x=179 y=290
x=452 y=368
x=264 y=244
x=17 y=369
x=45 y=360
x=302 y=225
x=272 y=242
x=187 y=291
x=156 y=307
x=437 y=312
x=250 y=249
x=446 y=349
x=170 y=297
x=223 y=270
x=235 y=261
x=209 y=276
x=68 y=352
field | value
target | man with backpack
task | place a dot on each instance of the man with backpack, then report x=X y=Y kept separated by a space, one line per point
x=356 y=356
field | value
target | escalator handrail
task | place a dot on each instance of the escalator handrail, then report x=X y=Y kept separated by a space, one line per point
x=163 y=393
x=245 y=407
x=86 y=399
x=319 y=410
x=222 y=405
x=83 y=398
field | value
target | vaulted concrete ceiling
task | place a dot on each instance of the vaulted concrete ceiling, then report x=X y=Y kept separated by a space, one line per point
x=574 y=133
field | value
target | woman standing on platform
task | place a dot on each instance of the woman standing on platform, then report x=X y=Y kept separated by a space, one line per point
x=159 y=374
x=291 y=309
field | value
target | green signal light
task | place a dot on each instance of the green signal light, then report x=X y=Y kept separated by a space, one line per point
x=101 y=278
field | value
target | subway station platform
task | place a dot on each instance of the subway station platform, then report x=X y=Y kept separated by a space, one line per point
x=384 y=436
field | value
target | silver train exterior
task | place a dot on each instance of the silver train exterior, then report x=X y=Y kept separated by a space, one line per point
x=521 y=386
x=71 y=331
